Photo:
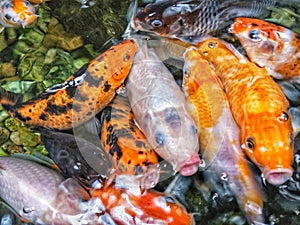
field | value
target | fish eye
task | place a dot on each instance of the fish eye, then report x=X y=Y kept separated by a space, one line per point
x=169 y=199
x=254 y=35
x=194 y=130
x=250 y=143
x=212 y=44
x=283 y=117
x=156 y=23
x=8 y=17
x=160 y=139
x=28 y=210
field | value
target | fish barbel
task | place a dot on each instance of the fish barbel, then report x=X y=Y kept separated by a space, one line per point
x=258 y=106
x=190 y=20
x=219 y=135
x=160 y=111
x=38 y=193
x=271 y=46
x=16 y=13
x=78 y=99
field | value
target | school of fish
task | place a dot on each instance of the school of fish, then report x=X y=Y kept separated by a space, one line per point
x=229 y=112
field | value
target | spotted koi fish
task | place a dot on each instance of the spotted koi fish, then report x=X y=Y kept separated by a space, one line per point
x=219 y=135
x=121 y=137
x=78 y=99
x=149 y=207
x=161 y=112
x=271 y=46
x=259 y=107
x=16 y=13
x=190 y=20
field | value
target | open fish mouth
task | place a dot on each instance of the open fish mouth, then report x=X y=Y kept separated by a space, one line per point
x=277 y=176
x=189 y=166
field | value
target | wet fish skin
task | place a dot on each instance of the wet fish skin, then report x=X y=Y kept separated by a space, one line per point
x=258 y=106
x=129 y=207
x=131 y=152
x=190 y=20
x=16 y=13
x=160 y=111
x=39 y=193
x=219 y=136
x=84 y=94
x=271 y=46
x=77 y=157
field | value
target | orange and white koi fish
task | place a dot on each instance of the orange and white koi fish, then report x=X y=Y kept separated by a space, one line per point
x=147 y=207
x=219 y=135
x=160 y=110
x=259 y=107
x=16 y=13
x=78 y=99
x=271 y=46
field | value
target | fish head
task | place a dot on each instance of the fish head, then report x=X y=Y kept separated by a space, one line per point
x=214 y=50
x=163 y=18
x=261 y=40
x=173 y=135
x=267 y=139
x=18 y=13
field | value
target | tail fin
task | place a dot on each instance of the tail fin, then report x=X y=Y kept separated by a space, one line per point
x=8 y=99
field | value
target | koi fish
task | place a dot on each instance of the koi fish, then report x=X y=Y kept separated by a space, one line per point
x=161 y=112
x=122 y=139
x=258 y=106
x=219 y=135
x=40 y=194
x=191 y=20
x=271 y=46
x=78 y=99
x=148 y=207
x=16 y=13
x=77 y=157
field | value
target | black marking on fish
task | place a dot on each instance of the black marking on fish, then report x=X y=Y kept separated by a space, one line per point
x=115 y=149
x=20 y=116
x=93 y=81
x=43 y=117
x=54 y=109
x=106 y=86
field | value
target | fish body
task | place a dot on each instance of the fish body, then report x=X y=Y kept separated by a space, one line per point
x=161 y=112
x=219 y=135
x=77 y=157
x=190 y=20
x=131 y=152
x=84 y=94
x=148 y=207
x=271 y=46
x=258 y=106
x=16 y=13
x=38 y=193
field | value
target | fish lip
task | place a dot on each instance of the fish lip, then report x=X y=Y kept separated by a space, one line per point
x=281 y=175
x=138 y=25
x=190 y=166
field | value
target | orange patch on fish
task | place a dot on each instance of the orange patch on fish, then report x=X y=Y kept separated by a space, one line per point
x=84 y=94
x=259 y=108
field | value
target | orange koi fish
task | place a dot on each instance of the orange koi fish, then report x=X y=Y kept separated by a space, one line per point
x=160 y=110
x=16 y=13
x=271 y=46
x=121 y=138
x=258 y=106
x=78 y=99
x=148 y=207
x=219 y=135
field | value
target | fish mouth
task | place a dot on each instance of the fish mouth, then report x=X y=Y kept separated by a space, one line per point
x=277 y=176
x=190 y=166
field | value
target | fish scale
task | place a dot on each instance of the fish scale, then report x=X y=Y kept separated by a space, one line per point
x=191 y=20
x=259 y=108
x=84 y=94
